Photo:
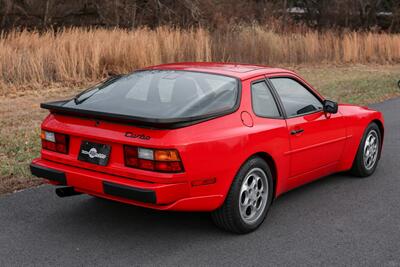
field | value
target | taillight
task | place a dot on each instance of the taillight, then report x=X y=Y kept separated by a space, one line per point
x=54 y=141
x=160 y=160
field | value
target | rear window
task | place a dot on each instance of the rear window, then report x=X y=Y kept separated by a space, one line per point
x=161 y=94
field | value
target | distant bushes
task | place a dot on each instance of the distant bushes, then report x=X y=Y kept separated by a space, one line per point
x=81 y=55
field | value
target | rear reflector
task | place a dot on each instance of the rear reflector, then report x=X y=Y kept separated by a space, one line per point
x=206 y=181
x=170 y=166
x=146 y=164
x=54 y=141
x=153 y=159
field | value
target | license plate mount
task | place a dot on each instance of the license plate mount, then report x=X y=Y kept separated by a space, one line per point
x=94 y=153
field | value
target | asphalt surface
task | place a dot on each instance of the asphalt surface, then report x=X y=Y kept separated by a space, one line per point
x=339 y=220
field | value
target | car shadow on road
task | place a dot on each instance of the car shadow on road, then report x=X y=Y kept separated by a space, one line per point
x=121 y=229
x=114 y=218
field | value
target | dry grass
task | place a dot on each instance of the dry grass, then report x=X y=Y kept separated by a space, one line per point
x=76 y=56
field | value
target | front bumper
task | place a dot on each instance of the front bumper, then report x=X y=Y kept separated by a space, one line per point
x=168 y=196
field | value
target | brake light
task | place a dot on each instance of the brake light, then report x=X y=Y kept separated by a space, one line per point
x=161 y=160
x=54 y=141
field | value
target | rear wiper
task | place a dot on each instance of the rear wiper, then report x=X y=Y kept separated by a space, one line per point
x=96 y=88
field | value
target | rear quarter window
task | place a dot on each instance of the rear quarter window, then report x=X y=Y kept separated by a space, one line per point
x=263 y=102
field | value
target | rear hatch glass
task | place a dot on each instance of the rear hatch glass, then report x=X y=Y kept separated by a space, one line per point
x=159 y=95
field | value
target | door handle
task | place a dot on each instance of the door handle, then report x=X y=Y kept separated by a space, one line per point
x=297 y=131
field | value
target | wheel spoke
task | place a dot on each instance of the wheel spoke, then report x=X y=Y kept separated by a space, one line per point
x=259 y=203
x=373 y=141
x=244 y=199
x=253 y=183
x=368 y=141
x=245 y=187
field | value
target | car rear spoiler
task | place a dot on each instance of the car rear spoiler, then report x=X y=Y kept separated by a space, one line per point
x=59 y=108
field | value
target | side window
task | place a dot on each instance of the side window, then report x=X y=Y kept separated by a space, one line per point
x=263 y=102
x=296 y=99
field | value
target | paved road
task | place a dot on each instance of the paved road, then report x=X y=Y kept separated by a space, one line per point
x=338 y=220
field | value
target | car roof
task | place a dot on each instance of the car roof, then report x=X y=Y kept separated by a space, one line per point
x=238 y=70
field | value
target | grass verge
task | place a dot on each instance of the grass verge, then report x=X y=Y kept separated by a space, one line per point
x=21 y=116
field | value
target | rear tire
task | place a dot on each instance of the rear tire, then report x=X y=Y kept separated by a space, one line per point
x=248 y=200
x=368 y=153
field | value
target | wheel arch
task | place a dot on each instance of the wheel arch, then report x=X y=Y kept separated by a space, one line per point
x=272 y=165
x=382 y=132
x=380 y=125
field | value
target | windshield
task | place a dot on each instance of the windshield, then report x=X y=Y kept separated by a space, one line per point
x=161 y=94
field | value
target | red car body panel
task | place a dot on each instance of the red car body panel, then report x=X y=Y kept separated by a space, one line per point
x=214 y=149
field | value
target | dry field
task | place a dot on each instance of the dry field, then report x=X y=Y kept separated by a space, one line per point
x=77 y=56
x=35 y=67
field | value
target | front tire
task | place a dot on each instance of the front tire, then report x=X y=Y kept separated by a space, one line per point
x=368 y=152
x=248 y=200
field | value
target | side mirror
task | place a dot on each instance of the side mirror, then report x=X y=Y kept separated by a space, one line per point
x=330 y=106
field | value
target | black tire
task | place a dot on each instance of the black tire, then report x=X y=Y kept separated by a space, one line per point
x=228 y=216
x=359 y=167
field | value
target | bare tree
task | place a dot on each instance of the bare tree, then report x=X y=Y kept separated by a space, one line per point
x=6 y=7
x=46 y=13
x=321 y=14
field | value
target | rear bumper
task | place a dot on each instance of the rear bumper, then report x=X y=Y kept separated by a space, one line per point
x=133 y=193
x=168 y=196
x=49 y=174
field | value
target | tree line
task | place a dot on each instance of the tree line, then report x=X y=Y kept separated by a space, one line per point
x=321 y=14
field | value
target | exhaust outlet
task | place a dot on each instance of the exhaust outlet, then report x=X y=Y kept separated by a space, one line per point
x=66 y=191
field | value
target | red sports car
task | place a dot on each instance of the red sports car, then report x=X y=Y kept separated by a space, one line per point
x=223 y=138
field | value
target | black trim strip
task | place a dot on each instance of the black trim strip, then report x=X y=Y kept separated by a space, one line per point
x=138 y=194
x=49 y=174
x=280 y=110
x=277 y=98
x=132 y=120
